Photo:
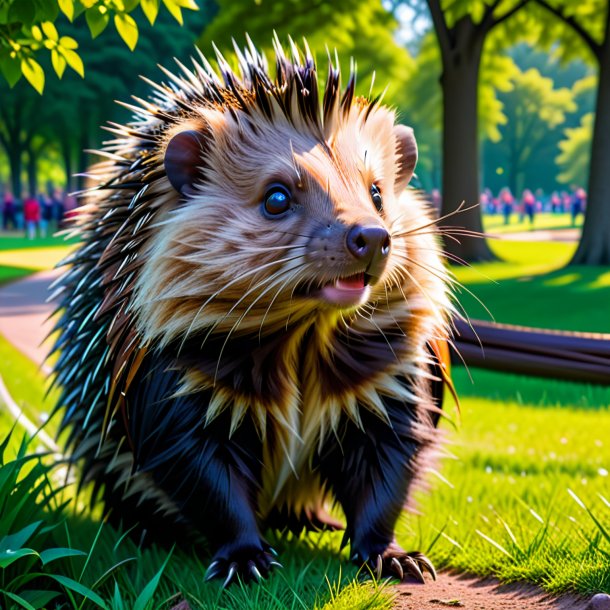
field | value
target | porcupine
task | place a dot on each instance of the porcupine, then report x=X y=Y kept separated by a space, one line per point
x=252 y=323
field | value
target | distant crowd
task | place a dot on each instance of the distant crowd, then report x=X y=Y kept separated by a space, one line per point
x=37 y=214
x=529 y=204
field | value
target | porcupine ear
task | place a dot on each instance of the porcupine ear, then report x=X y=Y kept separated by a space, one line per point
x=406 y=150
x=184 y=158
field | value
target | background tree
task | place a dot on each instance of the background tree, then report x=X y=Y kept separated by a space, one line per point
x=358 y=29
x=28 y=31
x=590 y=21
x=68 y=116
x=534 y=109
x=462 y=27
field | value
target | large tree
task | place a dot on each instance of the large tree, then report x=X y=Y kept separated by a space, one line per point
x=590 y=20
x=462 y=27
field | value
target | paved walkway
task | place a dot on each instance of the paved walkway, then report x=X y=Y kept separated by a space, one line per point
x=24 y=314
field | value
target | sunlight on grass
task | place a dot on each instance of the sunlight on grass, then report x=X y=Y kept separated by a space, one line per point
x=530 y=286
x=494 y=223
x=35 y=258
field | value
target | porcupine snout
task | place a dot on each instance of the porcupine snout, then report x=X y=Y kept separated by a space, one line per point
x=370 y=245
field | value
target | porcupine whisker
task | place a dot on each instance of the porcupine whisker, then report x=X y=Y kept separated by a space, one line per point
x=250 y=291
x=459 y=210
x=462 y=311
x=238 y=322
x=231 y=283
x=279 y=290
x=424 y=292
x=443 y=275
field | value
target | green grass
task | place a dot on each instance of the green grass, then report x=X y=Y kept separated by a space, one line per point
x=18 y=241
x=530 y=287
x=494 y=224
x=499 y=505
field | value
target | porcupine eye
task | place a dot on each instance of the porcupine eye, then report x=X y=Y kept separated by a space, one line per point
x=376 y=197
x=277 y=200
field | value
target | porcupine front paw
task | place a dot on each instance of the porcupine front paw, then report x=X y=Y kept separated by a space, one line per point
x=394 y=561
x=247 y=563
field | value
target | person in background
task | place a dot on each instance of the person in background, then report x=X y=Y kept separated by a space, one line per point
x=31 y=214
x=579 y=204
x=566 y=201
x=46 y=213
x=506 y=201
x=8 y=211
x=528 y=203
x=556 y=207
x=57 y=201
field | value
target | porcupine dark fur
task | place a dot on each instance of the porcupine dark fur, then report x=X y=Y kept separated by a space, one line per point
x=250 y=327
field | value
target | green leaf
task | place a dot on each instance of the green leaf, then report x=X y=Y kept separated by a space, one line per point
x=59 y=553
x=39 y=598
x=59 y=63
x=50 y=31
x=9 y=556
x=174 y=9
x=79 y=588
x=16 y=598
x=36 y=33
x=96 y=20
x=148 y=592
x=130 y=5
x=150 y=8
x=127 y=29
x=33 y=73
x=74 y=61
x=67 y=8
x=18 y=539
x=11 y=69
x=67 y=42
x=23 y=11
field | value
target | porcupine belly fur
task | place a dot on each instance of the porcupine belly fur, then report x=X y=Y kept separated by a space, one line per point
x=251 y=323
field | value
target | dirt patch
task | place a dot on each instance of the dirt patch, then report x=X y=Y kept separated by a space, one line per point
x=457 y=591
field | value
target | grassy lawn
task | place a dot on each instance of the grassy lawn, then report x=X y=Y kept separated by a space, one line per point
x=525 y=458
x=494 y=223
x=20 y=257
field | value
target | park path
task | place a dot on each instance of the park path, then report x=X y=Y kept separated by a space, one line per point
x=24 y=323
x=24 y=314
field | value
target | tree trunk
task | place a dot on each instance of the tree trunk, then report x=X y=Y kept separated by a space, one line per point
x=594 y=246
x=14 y=159
x=460 y=141
x=66 y=153
x=32 y=169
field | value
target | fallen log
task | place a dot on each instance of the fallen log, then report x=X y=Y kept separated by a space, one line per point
x=532 y=351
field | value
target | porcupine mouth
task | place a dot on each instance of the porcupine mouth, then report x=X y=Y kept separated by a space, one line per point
x=345 y=292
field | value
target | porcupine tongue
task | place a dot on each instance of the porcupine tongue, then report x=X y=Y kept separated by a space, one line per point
x=353 y=282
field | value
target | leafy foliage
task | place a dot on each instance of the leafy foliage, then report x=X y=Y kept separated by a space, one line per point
x=575 y=154
x=27 y=30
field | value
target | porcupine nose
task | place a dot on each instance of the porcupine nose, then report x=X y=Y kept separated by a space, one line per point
x=370 y=245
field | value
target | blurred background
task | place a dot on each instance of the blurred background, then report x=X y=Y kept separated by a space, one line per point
x=510 y=103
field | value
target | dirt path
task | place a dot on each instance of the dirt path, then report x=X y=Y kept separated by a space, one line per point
x=23 y=322
x=456 y=591
x=565 y=235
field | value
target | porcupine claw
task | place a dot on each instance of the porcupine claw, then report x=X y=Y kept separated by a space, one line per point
x=254 y=571
x=396 y=565
x=424 y=563
x=229 y=578
x=413 y=569
x=213 y=570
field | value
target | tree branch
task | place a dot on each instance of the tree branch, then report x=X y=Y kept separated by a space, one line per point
x=443 y=34
x=595 y=47
x=489 y=22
